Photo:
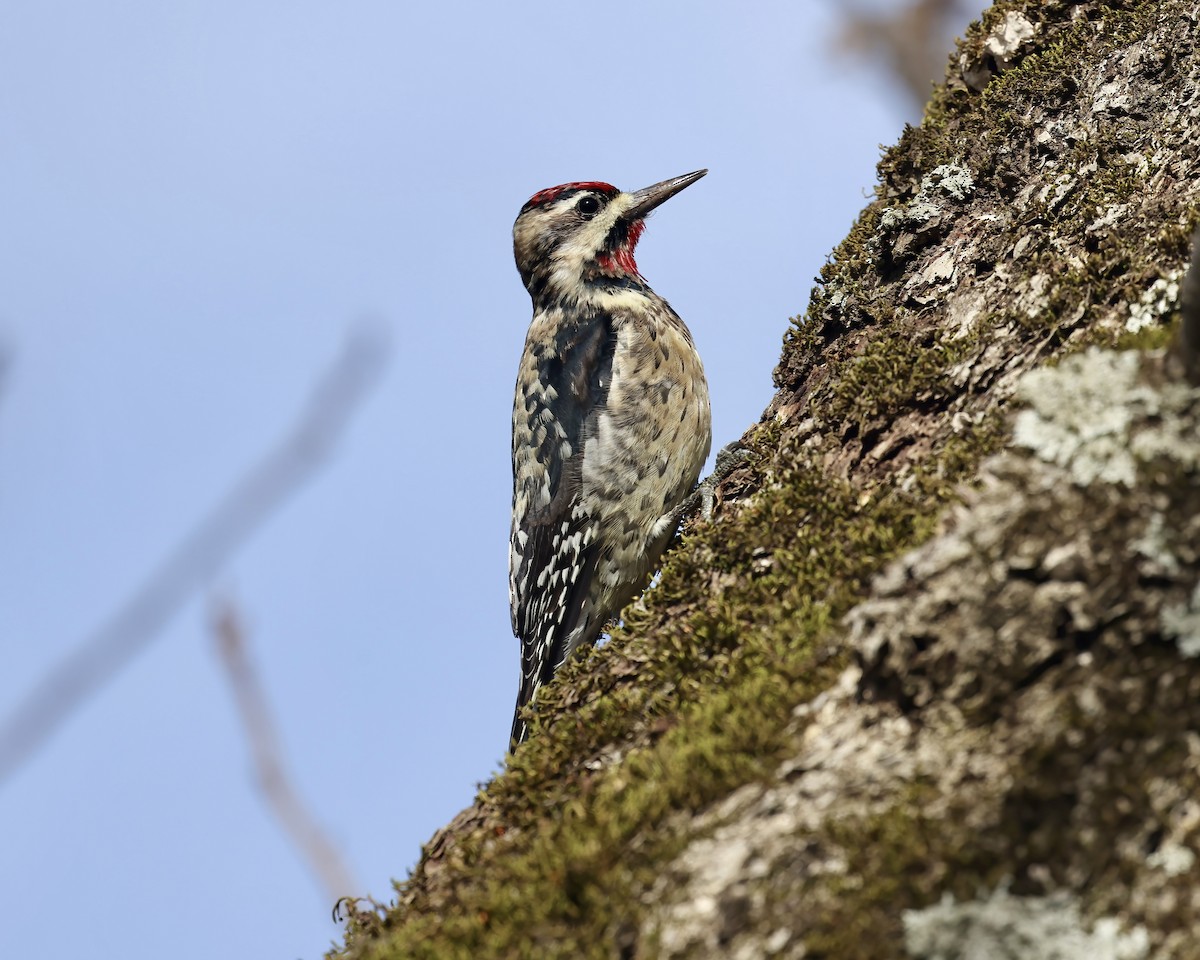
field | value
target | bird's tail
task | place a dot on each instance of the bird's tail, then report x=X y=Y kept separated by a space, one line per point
x=520 y=729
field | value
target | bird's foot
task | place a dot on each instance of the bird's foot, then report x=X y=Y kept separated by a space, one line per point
x=703 y=498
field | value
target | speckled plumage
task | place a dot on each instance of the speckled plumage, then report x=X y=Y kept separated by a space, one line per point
x=611 y=422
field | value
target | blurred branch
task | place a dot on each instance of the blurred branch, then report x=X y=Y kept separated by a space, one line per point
x=314 y=846
x=260 y=492
x=913 y=40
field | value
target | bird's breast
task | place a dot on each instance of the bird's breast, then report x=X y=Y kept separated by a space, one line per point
x=650 y=440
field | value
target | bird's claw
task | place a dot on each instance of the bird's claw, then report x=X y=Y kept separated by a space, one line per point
x=729 y=458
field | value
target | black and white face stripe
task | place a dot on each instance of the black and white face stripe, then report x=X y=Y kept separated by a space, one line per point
x=567 y=191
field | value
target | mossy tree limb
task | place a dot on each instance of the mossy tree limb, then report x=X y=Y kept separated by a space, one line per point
x=786 y=747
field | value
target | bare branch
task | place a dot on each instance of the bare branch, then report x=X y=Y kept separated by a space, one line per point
x=315 y=847
x=260 y=492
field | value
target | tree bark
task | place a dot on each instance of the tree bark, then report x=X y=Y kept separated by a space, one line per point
x=929 y=685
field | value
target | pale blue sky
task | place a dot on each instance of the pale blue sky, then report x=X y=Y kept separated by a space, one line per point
x=196 y=200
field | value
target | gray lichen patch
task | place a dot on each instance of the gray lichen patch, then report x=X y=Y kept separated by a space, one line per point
x=1007 y=927
x=1159 y=300
x=947 y=181
x=1000 y=49
x=1096 y=416
x=1181 y=622
x=1080 y=412
x=1175 y=860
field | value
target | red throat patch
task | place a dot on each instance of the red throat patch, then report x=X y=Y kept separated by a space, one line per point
x=622 y=260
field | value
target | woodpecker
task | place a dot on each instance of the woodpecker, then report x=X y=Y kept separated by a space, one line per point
x=611 y=422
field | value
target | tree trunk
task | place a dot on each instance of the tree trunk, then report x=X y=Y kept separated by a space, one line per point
x=929 y=682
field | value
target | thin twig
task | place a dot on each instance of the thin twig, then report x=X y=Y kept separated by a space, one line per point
x=315 y=847
x=194 y=561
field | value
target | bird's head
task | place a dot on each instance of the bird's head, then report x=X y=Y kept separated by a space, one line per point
x=585 y=232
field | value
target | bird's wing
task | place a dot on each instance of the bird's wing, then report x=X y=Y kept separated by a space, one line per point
x=554 y=552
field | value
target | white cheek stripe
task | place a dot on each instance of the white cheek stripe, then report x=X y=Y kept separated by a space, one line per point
x=587 y=240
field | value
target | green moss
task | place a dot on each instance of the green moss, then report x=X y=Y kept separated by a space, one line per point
x=899 y=859
x=898 y=369
x=1156 y=337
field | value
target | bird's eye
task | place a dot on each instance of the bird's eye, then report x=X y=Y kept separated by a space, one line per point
x=588 y=206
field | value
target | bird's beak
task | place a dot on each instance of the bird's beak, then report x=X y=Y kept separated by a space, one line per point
x=648 y=198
